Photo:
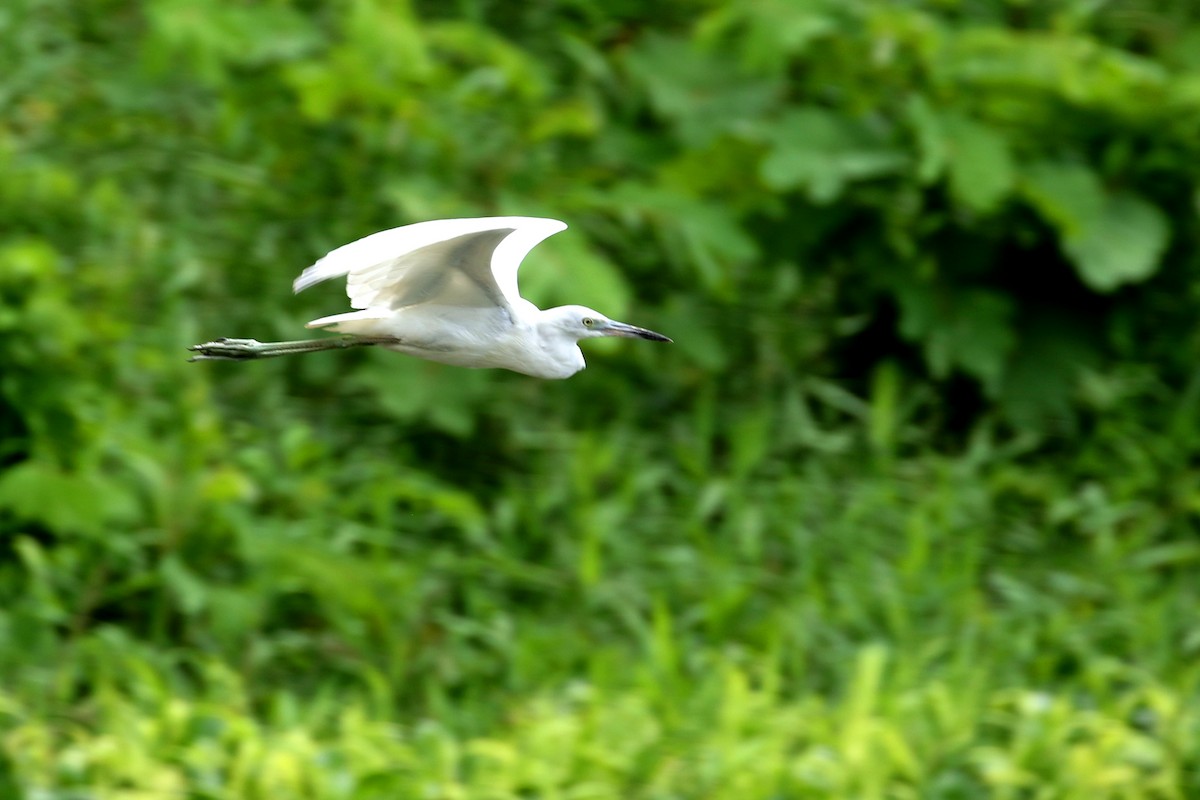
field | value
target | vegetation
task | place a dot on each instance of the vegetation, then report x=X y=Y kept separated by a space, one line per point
x=908 y=511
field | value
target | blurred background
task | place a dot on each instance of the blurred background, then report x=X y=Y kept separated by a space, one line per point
x=908 y=510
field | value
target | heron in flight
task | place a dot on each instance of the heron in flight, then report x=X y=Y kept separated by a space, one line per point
x=446 y=291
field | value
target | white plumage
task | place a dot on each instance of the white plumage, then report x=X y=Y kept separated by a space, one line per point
x=446 y=291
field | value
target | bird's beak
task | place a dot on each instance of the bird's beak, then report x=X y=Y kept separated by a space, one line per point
x=614 y=328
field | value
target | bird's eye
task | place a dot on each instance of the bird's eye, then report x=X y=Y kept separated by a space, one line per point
x=588 y=322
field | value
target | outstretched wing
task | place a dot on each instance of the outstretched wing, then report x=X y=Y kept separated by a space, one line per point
x=453 y=262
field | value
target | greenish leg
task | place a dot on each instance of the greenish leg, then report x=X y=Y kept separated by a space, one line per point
x=246 y=349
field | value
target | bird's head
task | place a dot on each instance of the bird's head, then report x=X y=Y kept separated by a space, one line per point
x=581 y=322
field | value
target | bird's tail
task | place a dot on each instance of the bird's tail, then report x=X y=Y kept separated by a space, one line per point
x=351 y=316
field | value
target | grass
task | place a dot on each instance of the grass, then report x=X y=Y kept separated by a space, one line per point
x=668 y=617
x=724 y=734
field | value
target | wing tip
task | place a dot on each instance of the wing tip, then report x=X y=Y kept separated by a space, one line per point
x=311 y=276
x=545 y=227
x=554 y=226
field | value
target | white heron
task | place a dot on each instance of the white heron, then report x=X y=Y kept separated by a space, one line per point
x=446 y=291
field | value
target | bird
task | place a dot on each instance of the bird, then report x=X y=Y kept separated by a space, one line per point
x=446 y=291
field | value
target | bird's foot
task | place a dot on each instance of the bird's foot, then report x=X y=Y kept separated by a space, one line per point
x=225 y=349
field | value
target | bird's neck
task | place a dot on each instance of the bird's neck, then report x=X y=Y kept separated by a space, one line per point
x=559 y=352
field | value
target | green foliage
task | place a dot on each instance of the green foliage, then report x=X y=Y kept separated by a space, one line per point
x=907 y=511
x=1112 y=238
x=733 y=738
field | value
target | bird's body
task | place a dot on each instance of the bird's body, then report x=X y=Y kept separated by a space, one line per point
x=472 y=338
x=446 y=291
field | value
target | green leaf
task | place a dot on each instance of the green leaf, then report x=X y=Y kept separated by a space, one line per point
x=821 y=152
x=981 y=166
x=570 y=118
x=698 y=90
x=446 y=398
x=65 y=502
x=26 y=261
x=714 y=241
x=189 y=591
x=704 y=237
x=1079 y=69
x=968 y=329
x=769 y=33
x=1124 y=246
x=1043 y=371
x=1111 y=238
x=929 y=129
x=1068 y=195
x=976 y=156
x=692 y=329
x=210 y=36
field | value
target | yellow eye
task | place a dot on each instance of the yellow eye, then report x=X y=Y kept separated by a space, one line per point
x=588 y=322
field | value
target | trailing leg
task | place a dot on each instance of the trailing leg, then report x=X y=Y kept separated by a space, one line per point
x=245 y=349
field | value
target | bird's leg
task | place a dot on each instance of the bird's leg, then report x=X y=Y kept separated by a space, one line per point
x=246 y=349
